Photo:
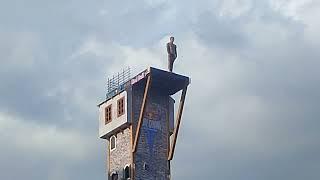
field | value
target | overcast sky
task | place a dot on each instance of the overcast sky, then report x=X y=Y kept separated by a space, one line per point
x=252 y=110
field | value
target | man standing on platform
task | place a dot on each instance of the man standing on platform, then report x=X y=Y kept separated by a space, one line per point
x=172 y=53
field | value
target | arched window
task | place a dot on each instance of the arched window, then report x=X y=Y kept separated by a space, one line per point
x=114 y=176
x=126 y=172
x=113 y=143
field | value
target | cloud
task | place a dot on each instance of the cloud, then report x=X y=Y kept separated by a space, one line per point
x=45 y=141
x=251 y=110
x=53 y=151
x=239 y=103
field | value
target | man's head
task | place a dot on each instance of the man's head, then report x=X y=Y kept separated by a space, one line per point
x=171 y=39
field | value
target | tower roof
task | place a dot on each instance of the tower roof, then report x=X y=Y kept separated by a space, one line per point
x=167 y=82
x=162 y=81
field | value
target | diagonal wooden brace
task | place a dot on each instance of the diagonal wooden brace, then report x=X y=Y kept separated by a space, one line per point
x=178 y=120
x=143 y=106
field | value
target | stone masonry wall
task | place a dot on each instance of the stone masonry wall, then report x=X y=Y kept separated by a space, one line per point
x=121 y=156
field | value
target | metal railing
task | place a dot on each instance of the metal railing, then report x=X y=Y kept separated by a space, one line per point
x=118 y=80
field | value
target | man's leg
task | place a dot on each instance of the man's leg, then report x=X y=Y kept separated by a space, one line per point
x=170 y=65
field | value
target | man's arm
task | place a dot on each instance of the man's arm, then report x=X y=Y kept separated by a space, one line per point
x=175 y=47
x=168 y=48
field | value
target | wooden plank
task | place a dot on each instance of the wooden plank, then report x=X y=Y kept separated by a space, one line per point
x=132 y=161
x=168 y=126
x=108 y=159
x=132 y=170
x=178 y=121
x=144 y=102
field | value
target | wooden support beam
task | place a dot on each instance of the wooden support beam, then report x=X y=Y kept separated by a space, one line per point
x=178 y=120
x=144 y=102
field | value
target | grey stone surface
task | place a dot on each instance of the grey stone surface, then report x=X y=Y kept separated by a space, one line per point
x=121 y=156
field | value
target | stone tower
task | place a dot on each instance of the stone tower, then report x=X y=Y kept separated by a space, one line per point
x=137 y=120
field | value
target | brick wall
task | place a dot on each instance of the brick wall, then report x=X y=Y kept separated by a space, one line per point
x=152 y=149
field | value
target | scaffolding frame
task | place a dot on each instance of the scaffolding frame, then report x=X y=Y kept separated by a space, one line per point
x=118 y=81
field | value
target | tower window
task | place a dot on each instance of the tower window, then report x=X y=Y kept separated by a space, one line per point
x=113 y=142
x=126 y=173
x=114 y=176
x=108 y=114
x=145 y=166
x=120 y=107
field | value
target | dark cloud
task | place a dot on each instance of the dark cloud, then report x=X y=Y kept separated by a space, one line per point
x=251 y=111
